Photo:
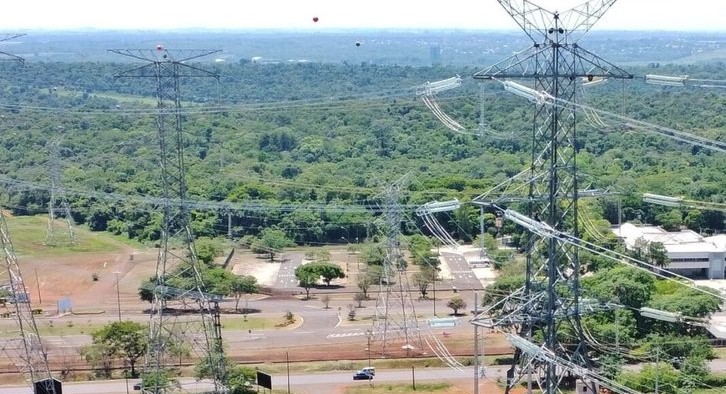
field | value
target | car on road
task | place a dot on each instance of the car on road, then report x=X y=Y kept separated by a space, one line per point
x=369 y=370
x=138 y=386
x=360 y=375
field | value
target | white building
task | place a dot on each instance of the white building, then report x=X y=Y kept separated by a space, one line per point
x=689 y=253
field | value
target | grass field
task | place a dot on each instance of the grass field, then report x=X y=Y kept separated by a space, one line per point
x=62 y=327
x=29 y=237
x=400 y=388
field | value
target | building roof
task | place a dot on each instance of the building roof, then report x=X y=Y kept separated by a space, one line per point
x=684 y=241
x=718 y=240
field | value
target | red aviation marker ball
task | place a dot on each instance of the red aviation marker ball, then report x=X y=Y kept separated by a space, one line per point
x=159 y=47
x=315 y=19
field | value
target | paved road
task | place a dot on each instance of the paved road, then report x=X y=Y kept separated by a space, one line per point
x=463 y=275
x=286 y=274
x=320 y=383
x=317 y=383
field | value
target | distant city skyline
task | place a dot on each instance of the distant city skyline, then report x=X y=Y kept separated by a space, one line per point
x=672 y=15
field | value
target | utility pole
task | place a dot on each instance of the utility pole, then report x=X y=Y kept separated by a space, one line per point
x=657 y=368
x=433 y=283
x=287 y=362
x=368 y=335
x=118 y=295
x=476 y=346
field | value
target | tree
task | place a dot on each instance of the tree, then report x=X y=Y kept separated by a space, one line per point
x=101 y=358
x=372 y=254
x=693 y=371
x=207 y=249
x=307 y=278
x=328 y=271
x=611 y=365
x=670 y=220
x=490 y=244
x=419 y=247
x=422 y=279
x=674 y=297
x=501 y=288
x=640 y=247
x=625 y=285
x=657 y=255
x=359 y=297
x=158 y=381
x=645 y=380
x=271 y=241
x=364 y=282
x=456 y=303
x=125 y=339
x=241 y=380
x=245 y=284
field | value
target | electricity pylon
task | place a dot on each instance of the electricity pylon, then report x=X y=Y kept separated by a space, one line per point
x=28 y=351
x=57 y=193
x=548 y=305
x=166 y=68
x=395 y=321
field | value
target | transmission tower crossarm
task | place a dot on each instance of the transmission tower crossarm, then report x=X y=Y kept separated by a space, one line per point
x=10 y=56
x=581 y=18
x=165 y=55
x=519 y=65
x=515 y=66
x=533 y=19
x=595 y=65
x=156 y=59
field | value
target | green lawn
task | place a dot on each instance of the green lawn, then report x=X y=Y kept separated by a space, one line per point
x=29 y=235
x=399 y=388
x=66 y=326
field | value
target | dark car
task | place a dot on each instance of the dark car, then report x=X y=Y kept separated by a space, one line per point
x=138 y=386
x=360 y=375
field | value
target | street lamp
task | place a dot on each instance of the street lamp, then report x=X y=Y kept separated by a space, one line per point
x=347 y=254
x=118 y=295
x=433 y=283
x=369 y=334
x=287 y=362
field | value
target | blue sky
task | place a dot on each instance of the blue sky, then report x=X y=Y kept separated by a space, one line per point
x=340 y=14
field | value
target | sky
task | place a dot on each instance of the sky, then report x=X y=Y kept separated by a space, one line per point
x=24 y=15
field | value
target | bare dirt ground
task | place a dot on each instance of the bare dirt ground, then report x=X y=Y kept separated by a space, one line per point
x=89 y=281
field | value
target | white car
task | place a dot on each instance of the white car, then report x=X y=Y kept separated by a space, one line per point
x=368 y=370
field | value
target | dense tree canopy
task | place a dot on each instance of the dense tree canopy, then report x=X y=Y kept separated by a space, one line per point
x=293 y=165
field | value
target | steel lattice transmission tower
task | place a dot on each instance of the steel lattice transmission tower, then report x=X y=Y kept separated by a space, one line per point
x=549 y=305
x=57 y=193
x=28 y=351
x=166 y=68
x=395 y=321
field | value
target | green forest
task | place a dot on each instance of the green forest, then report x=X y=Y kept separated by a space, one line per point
x=307 y=147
